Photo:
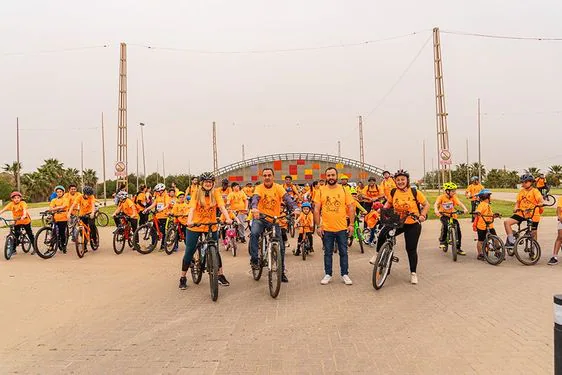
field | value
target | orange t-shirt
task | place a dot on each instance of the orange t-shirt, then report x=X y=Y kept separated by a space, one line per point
x=386 y=186
x=270 y=199
x=404 y=203
x=193 y=189
x=447 y=204
x=541 y=182
x=224 y=193
x=58 y=202
x=237 y=200
x=486 y=210
x=86 y=204
x=230 y=215
x=71 y=200
x=334 y=204
x=163 y=201
x=141 y=198
x=527 y=200
x=472 y=190
x=306 y=222
x=181 y=209
x=17 y=212
x=249 y=191
x=128 y=208
x=206 y=213
x=371 y=192
x=372 y=218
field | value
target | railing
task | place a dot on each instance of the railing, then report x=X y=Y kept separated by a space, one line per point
x=299 y=156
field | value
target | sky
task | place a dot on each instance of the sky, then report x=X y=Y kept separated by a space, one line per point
x=307 y=100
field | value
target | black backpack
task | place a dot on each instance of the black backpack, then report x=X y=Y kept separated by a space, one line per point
x=414 y=193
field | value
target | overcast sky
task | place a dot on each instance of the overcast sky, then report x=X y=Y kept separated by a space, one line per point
x=279 y=102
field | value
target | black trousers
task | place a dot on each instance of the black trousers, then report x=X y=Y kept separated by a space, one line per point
x=445 y=228
x=412 y=234
x=92 y=224
x=28 y=231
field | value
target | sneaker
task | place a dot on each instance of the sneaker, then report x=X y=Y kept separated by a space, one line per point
x=223 y=281
x=287 y=244
x=460 y=252
x=284 y=278
x=254 y=265
x=443 y=247
x=553 y=261
x=373 y=259
x=413 y=278
x=480 y=257
x=347 y=280
x=162 y=248
x=326 y=280
x=183 y=283
x=297 y=252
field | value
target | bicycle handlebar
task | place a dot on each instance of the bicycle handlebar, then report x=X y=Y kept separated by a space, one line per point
x=204 y=224
x=456 y=212
x=495 y=216
x=7 y=221
x=275 y=218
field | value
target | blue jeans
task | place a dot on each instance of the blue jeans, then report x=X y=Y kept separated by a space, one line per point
x=258 y=226
x=191 y=239
x=329 y=239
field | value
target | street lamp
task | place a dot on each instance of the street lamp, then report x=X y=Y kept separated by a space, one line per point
x=143 y=156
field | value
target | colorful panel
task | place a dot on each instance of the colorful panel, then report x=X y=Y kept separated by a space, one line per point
x=277 y=165
x=315 y=166
x=339 y=166
x=293 y=169
x=240 y=179
x=323 y=176
x=300 y=162
x=254 y=178
x=233 y=178
x=307 y=171
x=308 y=177
x=295 y=177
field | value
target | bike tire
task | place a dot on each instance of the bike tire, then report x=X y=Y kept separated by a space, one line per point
x=95 y=244
x=549 y=200
x=25 y=243
x=527 y=250
x=79 y=241
x=304 y=248
x=292 y=230
x=9 y=247
x=233 y=247
x=118 y=241
x=196 y=271
x=256 y=272
x=493 y=250
x=213 y=270
x=275 y=270
x=48 y=246
x=102 y=219
x=382 y=266
x=366 y=235
x=453 y=241
x=145 y=232
x=360 y=240
x=349 y=241
x=171 y=236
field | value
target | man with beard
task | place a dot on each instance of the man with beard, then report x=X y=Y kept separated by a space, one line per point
x=267 y=199
x=333 y=204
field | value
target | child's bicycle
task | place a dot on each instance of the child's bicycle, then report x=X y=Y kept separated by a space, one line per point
x=12 y=241
x=493 y=248
x=174 y=233
x=526 y=249
x=146 y=236
x=230 y=237
x=304 y=247
x=451 y=239
x=123 y=234
x=47 y=238
x=357 y=234
x=83 y=236
x=549 y=199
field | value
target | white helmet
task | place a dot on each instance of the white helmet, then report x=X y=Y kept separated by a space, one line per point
x=159 y=187
x=122 y=195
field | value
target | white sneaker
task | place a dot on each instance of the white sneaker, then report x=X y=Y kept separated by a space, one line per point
x=413 y=278
x=373 y=259
x=326 y=280
x=347 y=280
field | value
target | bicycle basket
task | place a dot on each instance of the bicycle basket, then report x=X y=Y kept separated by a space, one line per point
x=390 y=218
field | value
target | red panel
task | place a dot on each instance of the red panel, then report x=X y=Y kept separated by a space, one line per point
x=240 y=179
x=315 y=166
x=300 y=162
x=254 y=178
x=323 y=176
x=233 y=178
x=308 y=177
x=277 y=165
x=293 y=169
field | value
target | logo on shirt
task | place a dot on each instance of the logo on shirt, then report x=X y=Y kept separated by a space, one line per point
x=332 y=204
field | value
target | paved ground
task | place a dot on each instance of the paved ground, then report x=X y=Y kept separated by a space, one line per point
x=106 y=314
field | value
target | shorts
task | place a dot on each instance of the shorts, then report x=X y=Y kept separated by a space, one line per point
x=482 y=234
x=520 y=219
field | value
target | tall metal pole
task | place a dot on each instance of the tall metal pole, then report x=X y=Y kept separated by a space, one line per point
x=243 y=160
x=157 y=167
x=423 y=151
x=82 y=164
x=137 y=165
x=215 y=157
x=362 y=174
x=18 y=165
x=339 y=149
x=163 y=169
x=143 y=158
x=122 y=117
x=103 y=161
x=467 y=166
x=479 y=146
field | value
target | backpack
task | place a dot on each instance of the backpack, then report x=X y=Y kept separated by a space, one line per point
x=414 y=193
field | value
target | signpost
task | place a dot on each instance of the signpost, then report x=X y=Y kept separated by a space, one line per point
x=120 y=169
x=445 y=157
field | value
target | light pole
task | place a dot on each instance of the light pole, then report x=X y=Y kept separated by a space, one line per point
x=143 y=156
x=479 y=146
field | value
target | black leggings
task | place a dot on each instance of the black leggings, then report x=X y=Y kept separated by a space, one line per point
x=309 y=235
x=143 y=218
x=28 y=231
x=62 y=225
x=445 y=228
x=473 y=205
x=92 y=224
x=412 y=234
x=133 y=222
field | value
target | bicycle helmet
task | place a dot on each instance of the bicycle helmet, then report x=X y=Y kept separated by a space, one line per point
x=527 y=177
x=207 y=176
x=122 y=195
x=377 y=205
x=344 y=177
x=88 y=190
x=15 y=194
x=60 y=187
x=159 y=188
x=189 y=197
x=402 y=172
x=306 y=204
x=353 y=190
x=180 y=193
x=474 y=178
x=224 y=181
x=450 y=186
x=484 y=193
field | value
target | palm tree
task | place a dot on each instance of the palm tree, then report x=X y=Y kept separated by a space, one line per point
x=14 y=169
x=36 y=186
x=90 y=177
x=533 y=170
x=555 y=169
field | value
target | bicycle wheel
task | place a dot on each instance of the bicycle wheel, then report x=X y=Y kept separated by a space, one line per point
x=9 y=246
x=453 y=242
x=382 y=266
x=213 y=270
x=171 y=236
x=95 y=244
x=45 y=243
x=25 y=243
x=292 y=229
x=102 y=219
x=304 y=247
x=118 y=241
x=275 y=270
x=366 y=235
x=233 y=246
x=196 y=272
x=256 y=273
x=549 y=200
x=79 y=242
x=359 y=235
x=493 y=250
x=527 y=250
x=145 y=239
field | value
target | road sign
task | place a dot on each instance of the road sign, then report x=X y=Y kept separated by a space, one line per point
x=120 y=169
x=445 y=157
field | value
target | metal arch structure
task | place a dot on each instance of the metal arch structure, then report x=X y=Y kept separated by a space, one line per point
x=298 y=156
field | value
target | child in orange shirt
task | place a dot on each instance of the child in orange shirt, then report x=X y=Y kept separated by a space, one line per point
x=306 y=222
x=372 y=219
x=224 y=227
x=20 y=215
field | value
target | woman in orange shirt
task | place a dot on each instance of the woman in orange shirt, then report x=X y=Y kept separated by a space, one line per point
x=20 y=215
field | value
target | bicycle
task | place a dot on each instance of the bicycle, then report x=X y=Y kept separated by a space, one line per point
x=206 y=258
x=50 y=234
x=305 y=246
x=358 y=234
x=12 y=241
x=549 y=199
x=83 y=236
x=174 y=234
x=290 y=223
x=493 y=248
x=123 y=234
x=101 y=218
x=525 y=248
x=269 y=255
x=230 y=237
x=451 y=239
x=150 y=231
x=385 y=256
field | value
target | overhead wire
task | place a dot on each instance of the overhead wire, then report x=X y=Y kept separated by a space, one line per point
x=71 y=49
x=511 y=37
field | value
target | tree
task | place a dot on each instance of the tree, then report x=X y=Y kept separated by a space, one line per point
x=90 y=177
x=499 y=178
x=5 y=188
x=533 y=170
x=14 y=169
x=554 y=175
x=474 y=167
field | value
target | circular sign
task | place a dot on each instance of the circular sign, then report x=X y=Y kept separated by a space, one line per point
x=119 y=167
x=445 y=155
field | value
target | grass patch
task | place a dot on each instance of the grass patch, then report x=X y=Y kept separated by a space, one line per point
x=108 y=210
x=554 y=191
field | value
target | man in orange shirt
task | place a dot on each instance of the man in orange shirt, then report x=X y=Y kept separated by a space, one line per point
x=541 y=184
x=471 y=193
x=290 y=188
x=332 y=206
x=267 y=199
